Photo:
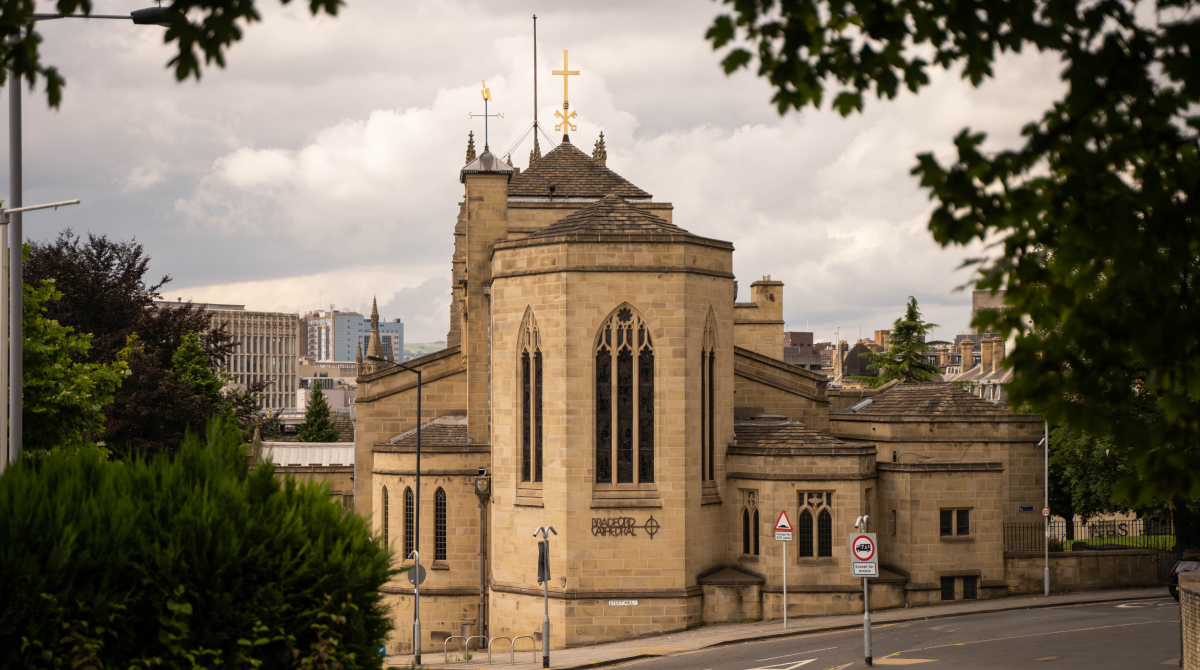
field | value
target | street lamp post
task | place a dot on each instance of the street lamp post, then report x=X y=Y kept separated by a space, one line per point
x=544 y=578
x=16 y=274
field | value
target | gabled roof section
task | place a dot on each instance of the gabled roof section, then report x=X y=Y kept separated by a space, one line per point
x=573 y=174
x=486 y=162
x=930 y=398
x=444 y=431
x=610 y=214
x=781 y=435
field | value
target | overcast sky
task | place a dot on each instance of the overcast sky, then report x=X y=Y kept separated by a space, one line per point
x=321 y=165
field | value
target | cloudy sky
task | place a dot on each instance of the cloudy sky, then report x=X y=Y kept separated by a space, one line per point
x=321 y=165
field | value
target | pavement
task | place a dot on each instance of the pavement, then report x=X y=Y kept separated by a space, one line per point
x=707 y=637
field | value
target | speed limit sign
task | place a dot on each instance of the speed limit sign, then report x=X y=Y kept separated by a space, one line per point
x=1046 y=512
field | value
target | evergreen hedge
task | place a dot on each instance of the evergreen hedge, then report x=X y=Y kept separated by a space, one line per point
x=195 y=561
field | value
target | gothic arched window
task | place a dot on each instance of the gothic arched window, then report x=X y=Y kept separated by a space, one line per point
x=708 y=356
x=750 y=523
x=624 y=378
x=385 y=516
x=439 y=525
x=409 y=544
x=825 y=534
x=804 y=534
x=530 y=357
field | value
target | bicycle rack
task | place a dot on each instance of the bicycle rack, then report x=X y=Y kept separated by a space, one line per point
x=512 y=658
x=531 y=641
x=466 y=646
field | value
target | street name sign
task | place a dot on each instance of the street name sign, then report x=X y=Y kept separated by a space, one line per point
x=864 y=555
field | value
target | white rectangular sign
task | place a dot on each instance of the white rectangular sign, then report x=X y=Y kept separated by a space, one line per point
x=622 y=603
x=865 y=569
x=783 y=536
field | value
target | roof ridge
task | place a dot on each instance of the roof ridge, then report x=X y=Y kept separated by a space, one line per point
x=573 y=174
x=611 y=214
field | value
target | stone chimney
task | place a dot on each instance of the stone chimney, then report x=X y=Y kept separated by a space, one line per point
x=967 y=350
x=998 y=354
x=985 y=355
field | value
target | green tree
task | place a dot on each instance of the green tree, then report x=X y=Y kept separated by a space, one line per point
x=1095 y=215
x=64 y=394
x=1086 y=470
x=197 y=27
x=194 y=366
x=317 y=426
x=907 y=357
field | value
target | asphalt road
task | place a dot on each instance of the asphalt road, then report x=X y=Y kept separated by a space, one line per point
x=1116 y=636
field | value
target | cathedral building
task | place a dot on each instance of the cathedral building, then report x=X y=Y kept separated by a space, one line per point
x=601 y=378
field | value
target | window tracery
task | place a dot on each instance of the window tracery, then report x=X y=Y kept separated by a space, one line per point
x=708 y=354
x=816 y=505
x=530 y=356
x=439 y=524
x=624 y=378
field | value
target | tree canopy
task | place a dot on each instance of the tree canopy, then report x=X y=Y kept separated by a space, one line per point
x=1094 y=215
x=198 y=28
x=317 y=426
x=907 y=357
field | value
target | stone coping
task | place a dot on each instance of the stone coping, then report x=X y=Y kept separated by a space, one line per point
x=412 y=363
x=937 y=418
x=942 y=466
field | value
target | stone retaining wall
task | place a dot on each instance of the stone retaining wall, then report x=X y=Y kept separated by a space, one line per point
x=1189 y=610
x=1080 y=570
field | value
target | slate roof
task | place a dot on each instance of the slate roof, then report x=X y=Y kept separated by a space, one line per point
x=573 y=174
x=610 y=214
x=929 y=398
x=781 y=435
x=444 y=431
x=486 y=162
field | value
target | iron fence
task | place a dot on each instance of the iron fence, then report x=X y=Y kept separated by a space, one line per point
x=1097 y=534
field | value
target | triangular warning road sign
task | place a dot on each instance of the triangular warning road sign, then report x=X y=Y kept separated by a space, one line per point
x=783 y=524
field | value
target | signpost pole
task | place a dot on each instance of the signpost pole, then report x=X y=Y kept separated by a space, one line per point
x=866 y=625
x=785 y=585
x=1046 y=518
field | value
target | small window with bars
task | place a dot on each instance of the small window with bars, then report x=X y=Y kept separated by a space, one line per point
x=947 y=588
x=409 y=536
x=970 y=588
x=955 y=522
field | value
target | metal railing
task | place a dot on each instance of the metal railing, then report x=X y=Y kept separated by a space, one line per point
x=531 y=641
x=512 y=657
x=1095 y=534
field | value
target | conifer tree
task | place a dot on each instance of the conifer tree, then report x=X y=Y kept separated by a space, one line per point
x=317 y=426
x=907 y=355
x=193 y=365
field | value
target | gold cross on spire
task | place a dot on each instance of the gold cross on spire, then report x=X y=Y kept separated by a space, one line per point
x=563 y=115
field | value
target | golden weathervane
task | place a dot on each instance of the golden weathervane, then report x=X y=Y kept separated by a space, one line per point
x=563 y=115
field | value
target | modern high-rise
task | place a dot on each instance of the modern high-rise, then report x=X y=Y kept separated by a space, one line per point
x=266 y=346
x=335 y=335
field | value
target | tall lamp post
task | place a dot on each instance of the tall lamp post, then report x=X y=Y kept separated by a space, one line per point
x=149 y=16
x=416 y=506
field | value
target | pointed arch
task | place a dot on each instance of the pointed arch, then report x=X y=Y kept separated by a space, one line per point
x=529 y=357
x=409 y=539
x=825 y=533
x=804 y=533
x=439 y=524
x=708 y=355
x=625 y=399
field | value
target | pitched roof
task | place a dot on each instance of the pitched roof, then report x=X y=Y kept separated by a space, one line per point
x=782 y=435
x=929 y=398
x=444 y=431
x=573 y=174
x=486 y=162
x=610 y=214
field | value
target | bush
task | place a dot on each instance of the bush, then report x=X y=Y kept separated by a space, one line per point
x=194 y=561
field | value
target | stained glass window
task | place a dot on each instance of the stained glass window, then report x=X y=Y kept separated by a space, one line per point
x=825 y=533
x=625 y=417
x=526 y=417
x=711 y=411
x=537 y=415
x=439 y=525
x=603 y=416
x=804 y=534
x=745 y=531
x=385 y=516
x=625 y=376
x=408 y=523
x=703 y=415
x=755 y=532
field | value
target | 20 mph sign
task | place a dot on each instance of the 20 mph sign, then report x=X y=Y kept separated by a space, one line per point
x=864 y=555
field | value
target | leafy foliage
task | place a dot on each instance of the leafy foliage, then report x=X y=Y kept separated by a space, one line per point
x=1086 y=469
x=194 y=561
x=64 y=395
x=105 y=294
x=317 y=426
x=907 y=355
x=1095 y=214
x=198 y=28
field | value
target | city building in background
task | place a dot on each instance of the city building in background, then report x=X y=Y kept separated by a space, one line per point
x=335 y=335
x=266 y=345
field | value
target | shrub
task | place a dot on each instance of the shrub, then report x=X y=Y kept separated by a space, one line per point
x=194 y=561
